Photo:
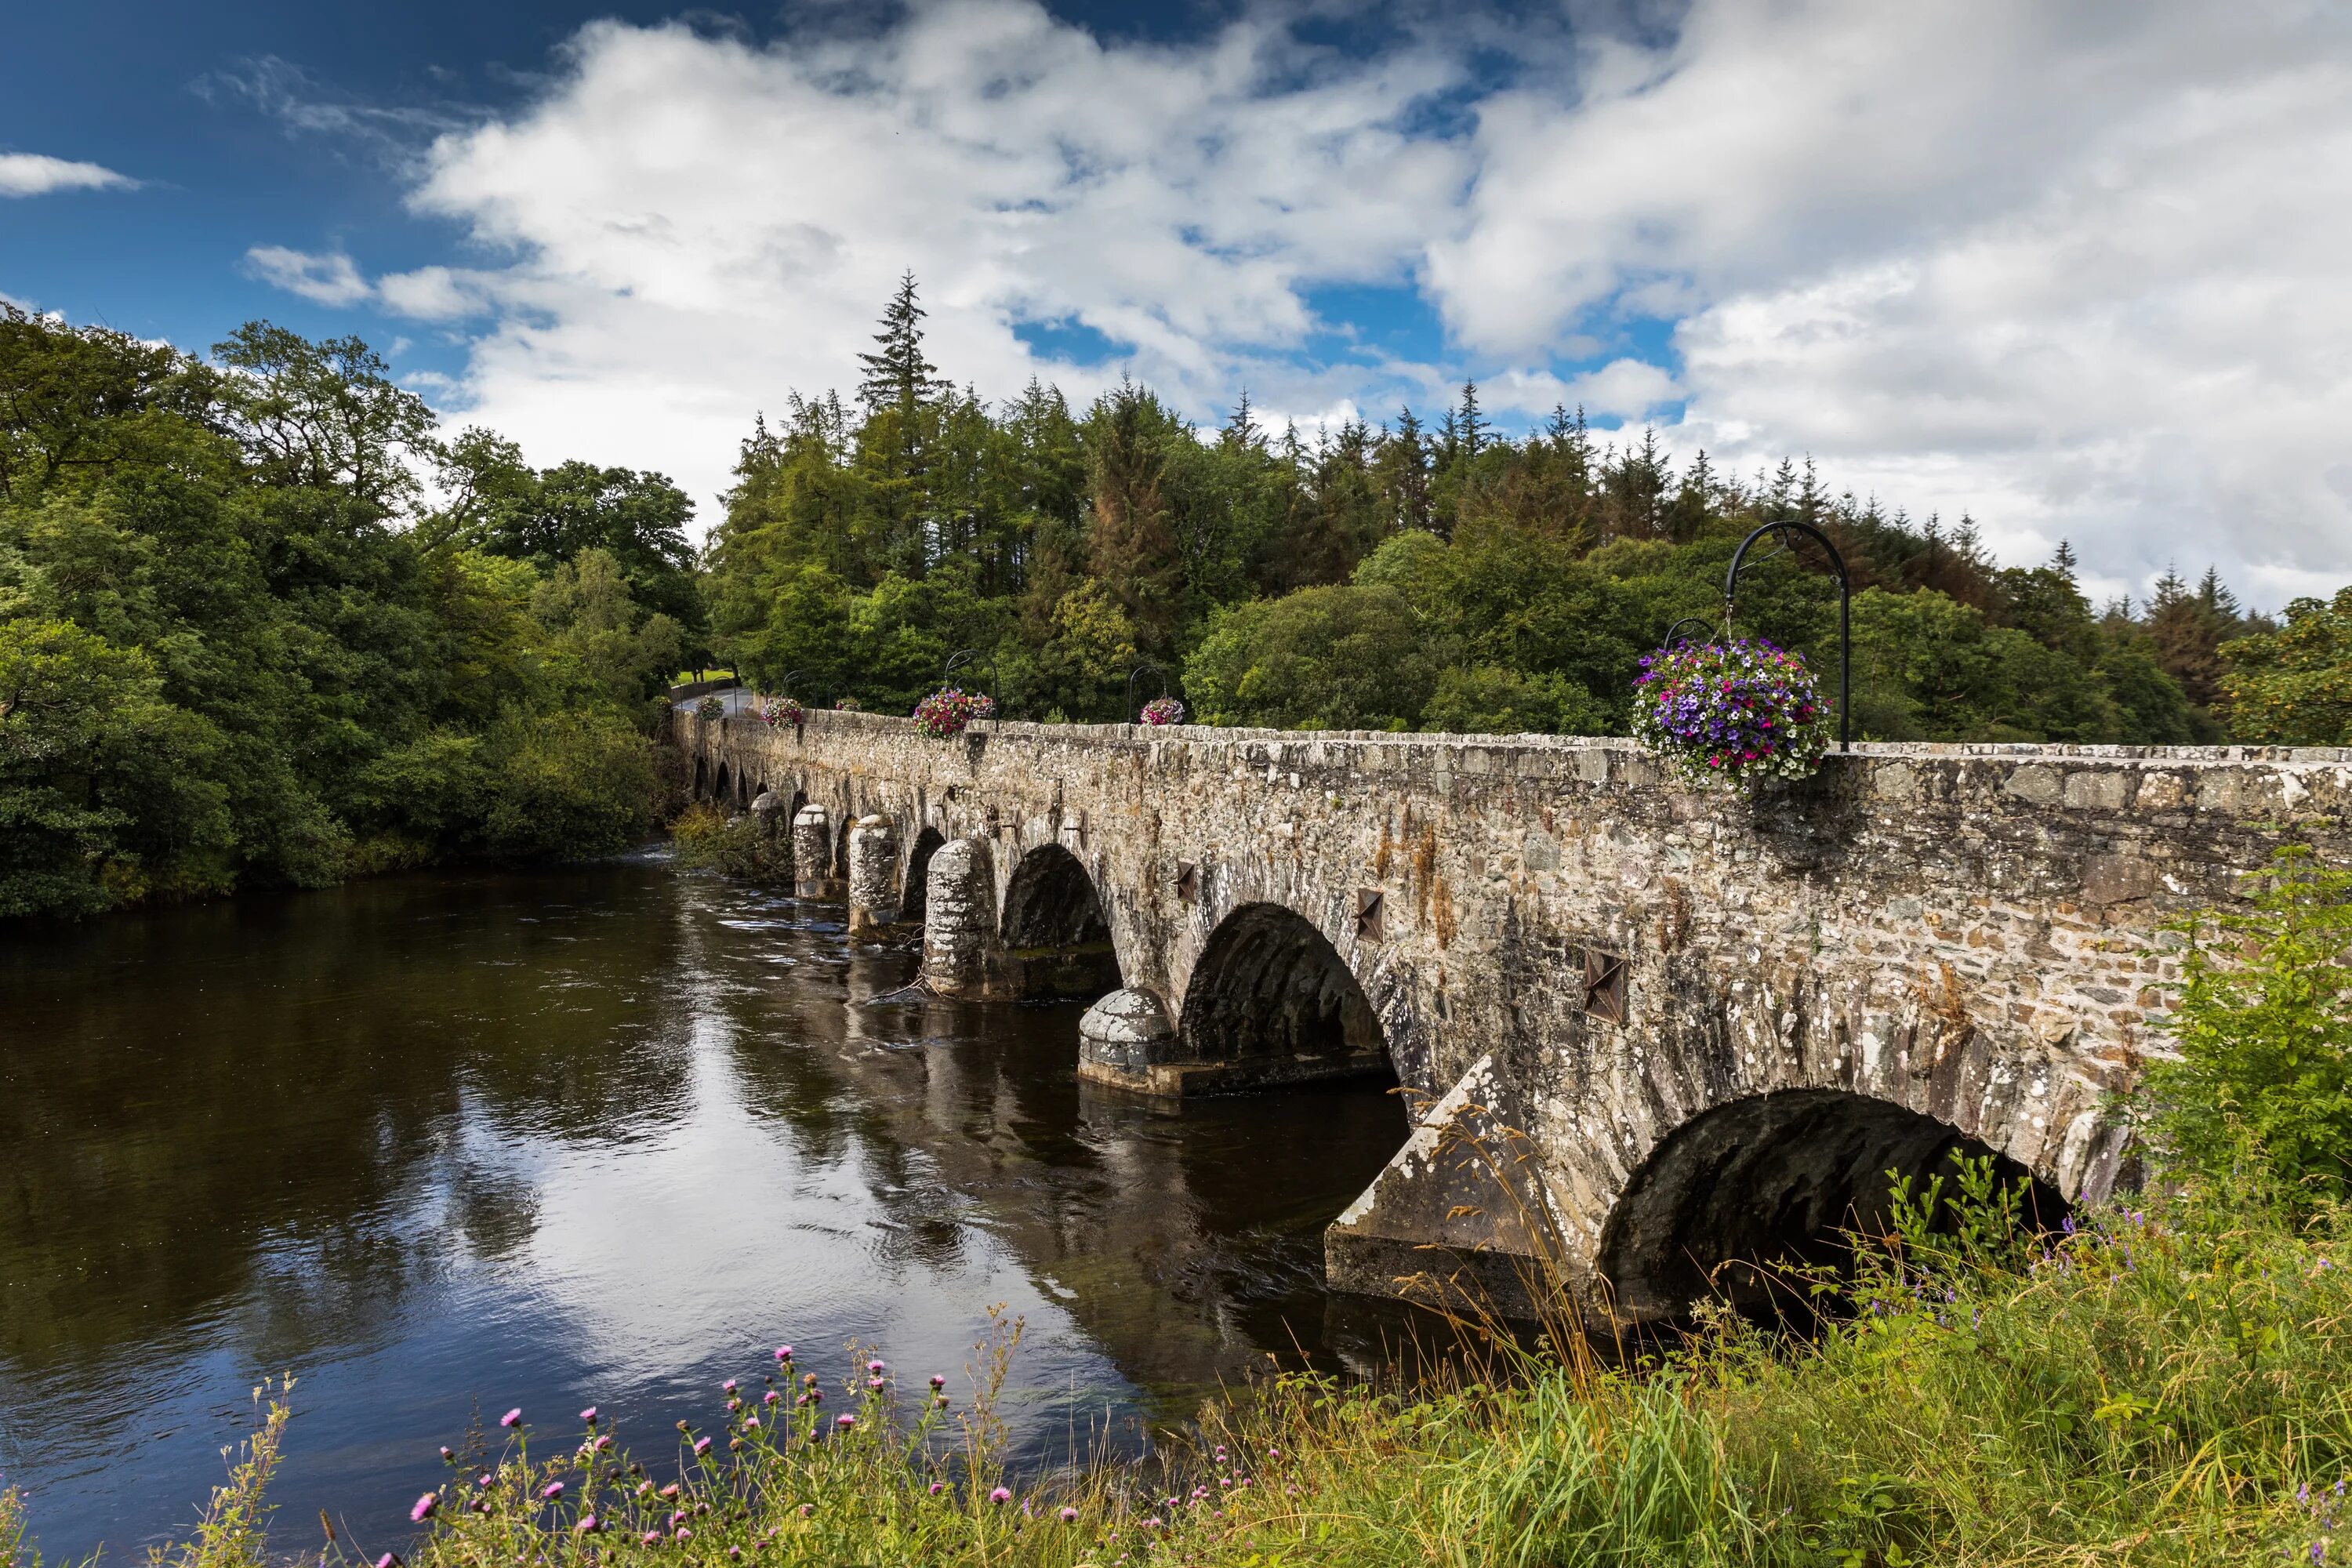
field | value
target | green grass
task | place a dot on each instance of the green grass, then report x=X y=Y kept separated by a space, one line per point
x=2166 y=1387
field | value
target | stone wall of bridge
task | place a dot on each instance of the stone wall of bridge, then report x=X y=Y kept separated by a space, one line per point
x=1674 y=1027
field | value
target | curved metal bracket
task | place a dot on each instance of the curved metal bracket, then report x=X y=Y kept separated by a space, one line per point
x=1131 y=677
x=963 y=656
x=1674 y=638
x=1786 y=536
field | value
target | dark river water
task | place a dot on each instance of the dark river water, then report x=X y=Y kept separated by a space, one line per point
x=606 y=1135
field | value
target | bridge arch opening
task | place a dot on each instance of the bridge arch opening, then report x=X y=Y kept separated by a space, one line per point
x=1270 y=991
x=1056 y=939
x=701 y=787
x=915 y=885
x=723 y=789
x=1734 y=1194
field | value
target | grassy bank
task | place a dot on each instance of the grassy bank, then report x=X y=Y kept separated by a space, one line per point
x=2158 y=1387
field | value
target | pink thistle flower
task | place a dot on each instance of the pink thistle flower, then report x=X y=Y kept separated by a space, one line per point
x=751 y=1423
x=424 y=1507
x=447 y=1457
x=589 y=1416
x=682 y=1533
x=701 y=1447
x=938 y=1382
x=589 y=1525
x=387 y=1561
x=604 y=1443
x=873 y=1382
x=551 y=1490
x=938 y=1487
x=513 y=1417
x=670 y=1490
x=784 y=1353
x=845 y=1421
x=483 y=1481
x=773 y=1397
x=650 y=1538
x=1000 y=1496
x=729 y=1385
x=1069 y=1516
x=873 y=1366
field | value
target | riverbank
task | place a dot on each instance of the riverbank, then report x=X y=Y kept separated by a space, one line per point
x=2164 y=1386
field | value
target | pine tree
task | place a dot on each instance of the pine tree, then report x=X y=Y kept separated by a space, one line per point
x=1401 y=468
x=1243 y=431
x=899 y=376
x=1132 y=540
x=1471 y=425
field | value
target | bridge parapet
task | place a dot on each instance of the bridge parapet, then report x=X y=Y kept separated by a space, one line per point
x=1923 y=946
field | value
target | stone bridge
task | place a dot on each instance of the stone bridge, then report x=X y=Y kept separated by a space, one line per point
x=1651 y=1034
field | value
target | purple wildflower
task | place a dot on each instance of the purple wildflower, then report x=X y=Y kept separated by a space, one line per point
x=424 y=1507
x=513 y=1417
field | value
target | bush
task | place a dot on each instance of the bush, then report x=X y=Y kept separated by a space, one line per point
x=2264 y=1031
x=569 y=785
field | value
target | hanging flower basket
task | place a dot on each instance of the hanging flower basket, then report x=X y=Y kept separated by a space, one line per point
x=847 y=705
x=782 y=711
x=1163 y=710
x=948 y=712
x=983 y=707
x=1726 y=713
x=712 y=707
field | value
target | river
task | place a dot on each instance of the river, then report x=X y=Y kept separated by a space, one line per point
x=444 y=1143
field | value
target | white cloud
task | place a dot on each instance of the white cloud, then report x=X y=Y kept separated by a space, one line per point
x=2075 y=270
x=332 y=280
x=32 y=174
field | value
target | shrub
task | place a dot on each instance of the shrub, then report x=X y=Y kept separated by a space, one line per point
x=2264 y=1031
x=568 y=786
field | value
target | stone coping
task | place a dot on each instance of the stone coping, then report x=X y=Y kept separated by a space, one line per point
x=1876 y=750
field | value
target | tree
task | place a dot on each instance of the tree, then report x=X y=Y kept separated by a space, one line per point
x=1130 y=538
x=2293 y=687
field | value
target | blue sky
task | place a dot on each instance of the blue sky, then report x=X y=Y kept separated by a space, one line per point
x=2071 y=270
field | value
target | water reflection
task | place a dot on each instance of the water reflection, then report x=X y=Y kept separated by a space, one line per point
x=605 y=1135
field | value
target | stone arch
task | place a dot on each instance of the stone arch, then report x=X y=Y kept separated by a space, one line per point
x=701 y=789
x=1272 y=999
x=1056 y=937
x=912 y=884
x=1774 y=1178
x=840 y=841
x=722 y=788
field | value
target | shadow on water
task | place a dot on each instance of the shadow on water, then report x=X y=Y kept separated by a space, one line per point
x=601 y=1134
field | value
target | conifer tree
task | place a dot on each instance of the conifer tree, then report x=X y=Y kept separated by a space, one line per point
x=898 y=375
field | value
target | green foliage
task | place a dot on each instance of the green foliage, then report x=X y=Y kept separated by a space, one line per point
x=228 y=659
x=2262 y=1023
x=1533 y=573
x=568 y=785
x=2293 y=687
x=1342 y=658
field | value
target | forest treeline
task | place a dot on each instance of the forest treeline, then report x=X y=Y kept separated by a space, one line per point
x=239 y=649
x=1420 y=574
x=262 y=624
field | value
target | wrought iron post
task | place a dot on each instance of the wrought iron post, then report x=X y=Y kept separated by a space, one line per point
x=1845 y=608
x=1131 y=677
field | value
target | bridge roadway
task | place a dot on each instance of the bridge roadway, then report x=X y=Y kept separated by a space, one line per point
x=1652 y=1035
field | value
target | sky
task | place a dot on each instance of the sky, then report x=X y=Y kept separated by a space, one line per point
x=2076 y=271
